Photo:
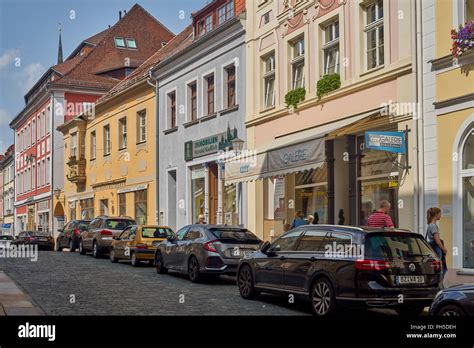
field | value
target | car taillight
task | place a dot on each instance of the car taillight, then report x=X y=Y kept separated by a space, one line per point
x=142 y=246
x=372 y=265
x=436 y=264
x=29 y=239
x=105 y=233
x=77 y=231
x=209 y=246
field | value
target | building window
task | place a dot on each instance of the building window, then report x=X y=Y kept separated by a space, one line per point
x=47 y=119
x=93 y=145
x=122 y=204
x=48 y=171
x=331 y=48
x=172 y=110
x=123 y=133
x=104 y=207
x=230 y=86
x=141 y=207
x=119 y=42
x=469 y=11
x=297 y=64
x=192 y=101
x=141 y=126
x=131 y=43
x=208 y=24
x=374 y=35
x=210 y=99
x=269 y=80
x=73 y=152
x=87 y=208
x=225 y=12
x=72 y=211
x=33 y=131
x=107 y=144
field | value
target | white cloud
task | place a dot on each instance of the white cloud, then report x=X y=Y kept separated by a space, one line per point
x=8 y=57
x=29 y=76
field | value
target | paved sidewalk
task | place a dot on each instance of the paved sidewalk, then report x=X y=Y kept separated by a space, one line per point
x=13 y=301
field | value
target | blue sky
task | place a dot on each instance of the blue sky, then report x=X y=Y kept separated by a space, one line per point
x=29 y=36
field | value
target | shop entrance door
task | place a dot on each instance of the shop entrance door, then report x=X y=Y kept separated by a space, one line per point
x=213 y=192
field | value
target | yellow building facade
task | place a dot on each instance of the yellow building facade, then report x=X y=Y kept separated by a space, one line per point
x=110 y=157
x=449 y=135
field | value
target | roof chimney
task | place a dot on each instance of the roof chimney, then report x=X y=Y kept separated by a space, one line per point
x=60 y=47
x=120 y=15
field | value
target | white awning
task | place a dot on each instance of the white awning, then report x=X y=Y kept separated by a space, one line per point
x=289 y=154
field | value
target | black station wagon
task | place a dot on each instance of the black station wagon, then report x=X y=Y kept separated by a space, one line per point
x=340 y=265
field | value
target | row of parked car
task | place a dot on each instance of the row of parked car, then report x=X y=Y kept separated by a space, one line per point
x=392 y=268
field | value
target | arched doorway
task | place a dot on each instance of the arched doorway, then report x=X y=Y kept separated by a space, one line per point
x=466 y=183
x=59 y=215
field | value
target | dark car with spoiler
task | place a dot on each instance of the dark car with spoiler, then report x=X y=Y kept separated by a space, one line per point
x=200 y=250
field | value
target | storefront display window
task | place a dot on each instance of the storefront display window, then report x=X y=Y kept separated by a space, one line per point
x=43 y=223
x=378 y=181
x=311 y=194
x=87 y=209
x=231 y=215
x=198 y=182
x=141 y=207
x=468 y=201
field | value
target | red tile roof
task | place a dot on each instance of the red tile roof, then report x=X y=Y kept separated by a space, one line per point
x=149 y=36
x=178 y=43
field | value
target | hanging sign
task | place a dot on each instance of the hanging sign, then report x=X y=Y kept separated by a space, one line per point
x=386 y=141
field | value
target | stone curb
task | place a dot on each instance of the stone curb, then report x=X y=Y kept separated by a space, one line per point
x=13 y=300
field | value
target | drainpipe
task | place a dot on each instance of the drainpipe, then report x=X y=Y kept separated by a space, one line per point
x=418 y=133
x=157 y=145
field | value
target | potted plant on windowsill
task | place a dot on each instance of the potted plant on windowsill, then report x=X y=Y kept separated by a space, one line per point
x=294 y=97
x=327 y=84
x=463 y=39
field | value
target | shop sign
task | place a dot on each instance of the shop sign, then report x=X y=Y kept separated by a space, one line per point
x=209 y=145
x=386 y=141
x=133 y=189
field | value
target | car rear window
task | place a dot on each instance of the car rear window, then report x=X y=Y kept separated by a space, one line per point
x=40 y=233
x=6 y=238
x=395 y=246
x=118 y=224
x=155 y=232
x=83 y=225
x=235 y=236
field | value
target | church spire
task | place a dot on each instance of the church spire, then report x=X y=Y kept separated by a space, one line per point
x=60 y=47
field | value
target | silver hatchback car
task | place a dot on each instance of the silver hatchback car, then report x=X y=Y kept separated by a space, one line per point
x=199 y=250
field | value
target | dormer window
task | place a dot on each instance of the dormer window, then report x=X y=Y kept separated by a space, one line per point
x=119 y=42
x=131 y=43
x=225 y=12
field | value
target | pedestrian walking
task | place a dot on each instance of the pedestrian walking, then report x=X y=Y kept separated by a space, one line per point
x=433 y=237
x=299 y=219
x=380 y=217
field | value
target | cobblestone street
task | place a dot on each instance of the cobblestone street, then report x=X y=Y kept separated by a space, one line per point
x=103 y=288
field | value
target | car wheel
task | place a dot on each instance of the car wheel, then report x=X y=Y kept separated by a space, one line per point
x=451 y=311
x=193 y=270
x=112 y=257
x=160 y=264
x=135 y=261
x=323 y=301
x=57 y=246
x=71 y=246
x=410 y=311
x=246 y=283
x=82 y=251
x=95 y=250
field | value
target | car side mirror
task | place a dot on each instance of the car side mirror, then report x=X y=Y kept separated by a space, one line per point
x=265 y=247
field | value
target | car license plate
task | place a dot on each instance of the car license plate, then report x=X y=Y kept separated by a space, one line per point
x=239 y=252
x=410 y=279
x=43 y=239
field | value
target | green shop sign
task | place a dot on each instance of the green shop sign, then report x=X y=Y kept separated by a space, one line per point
x=209 y=145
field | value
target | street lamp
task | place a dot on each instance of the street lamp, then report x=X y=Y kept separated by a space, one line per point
x=237 y=145
x=57 y=193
